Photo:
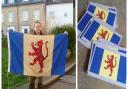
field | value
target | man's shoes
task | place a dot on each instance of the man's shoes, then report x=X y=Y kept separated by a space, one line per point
x=40 y=86
x=32 y=86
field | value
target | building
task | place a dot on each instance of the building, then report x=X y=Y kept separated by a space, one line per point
x=58 y=12
x=20 y=15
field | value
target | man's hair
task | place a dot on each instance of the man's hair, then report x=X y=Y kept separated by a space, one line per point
x=37 y=22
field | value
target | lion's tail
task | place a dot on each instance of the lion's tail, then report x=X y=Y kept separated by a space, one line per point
x=115 y=63
x=46 y=50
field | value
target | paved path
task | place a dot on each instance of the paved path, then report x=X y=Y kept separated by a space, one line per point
x=85 y=81
x=67 y=82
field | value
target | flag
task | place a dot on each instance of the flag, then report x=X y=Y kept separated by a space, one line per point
x=108 y=65
x=37 y=55
x=98 y=29
x=84 y=21
x=110 y=44
x=103 y=12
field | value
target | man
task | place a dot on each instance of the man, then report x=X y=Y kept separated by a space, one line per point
x=37 y=31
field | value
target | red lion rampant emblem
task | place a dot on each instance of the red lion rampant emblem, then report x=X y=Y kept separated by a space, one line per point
x=101 y=14
x=37 y=53
x=103 y=34
x=110 y=63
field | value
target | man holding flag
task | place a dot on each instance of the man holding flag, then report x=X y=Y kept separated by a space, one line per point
x=37 y=31
x=36 y=55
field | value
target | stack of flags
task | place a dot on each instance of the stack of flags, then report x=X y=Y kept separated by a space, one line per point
x=97 y=32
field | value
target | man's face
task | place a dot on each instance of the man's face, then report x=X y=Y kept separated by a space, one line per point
x=37 y=27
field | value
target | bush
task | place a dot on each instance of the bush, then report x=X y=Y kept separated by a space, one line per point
x=4 y=42
x=71 y=35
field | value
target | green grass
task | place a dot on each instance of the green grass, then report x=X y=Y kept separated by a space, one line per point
x=10 y=81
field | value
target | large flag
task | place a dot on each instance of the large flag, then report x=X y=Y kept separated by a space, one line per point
x=37 y=55
x=108 y=65
x=98 y=29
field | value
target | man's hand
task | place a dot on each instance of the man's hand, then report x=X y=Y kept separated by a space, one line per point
x=66 y=32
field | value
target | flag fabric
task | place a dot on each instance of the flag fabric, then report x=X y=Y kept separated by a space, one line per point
x=105 y=13
x=106 y=44
x=108 y=65
x=110 y=44
x=98 y=29
x=84 y=21
x=37 y=55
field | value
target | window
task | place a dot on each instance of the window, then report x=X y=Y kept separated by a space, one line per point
x=10 y=16
x=36 y=0
x=52 y=14
x=11 y=1
x=25 y=16
x=36 y=14
x=11 y=28
x=65 y=14
x=25 y=29
x=25 y=0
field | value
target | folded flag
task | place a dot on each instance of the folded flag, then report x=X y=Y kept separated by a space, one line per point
x=113 y=46
x=98 y=29
x=105 y=13
x=108 y=65
x=106 y=44
x=84 y=22
x=37 y=55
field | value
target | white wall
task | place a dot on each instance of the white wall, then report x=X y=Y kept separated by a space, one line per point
x=59 y=14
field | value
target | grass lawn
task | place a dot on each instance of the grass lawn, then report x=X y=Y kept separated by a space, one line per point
x=10 y=81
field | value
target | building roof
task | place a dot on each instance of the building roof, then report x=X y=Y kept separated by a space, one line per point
x=21 y=2
x=58 y=1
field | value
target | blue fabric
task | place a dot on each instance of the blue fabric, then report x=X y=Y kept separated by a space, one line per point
x=123 y=51
x=59 y=55
x=92 y=30
x=96 y=60
x=112 y=9
x=111 y=18
x=85 y=29
x=91 y=8
x=83 y=23
x=115 y=39
x=122 y=70
x=16 y=52
x=16 y=42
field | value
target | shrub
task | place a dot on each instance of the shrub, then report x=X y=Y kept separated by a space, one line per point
x=4 y=42
x=71 y=35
